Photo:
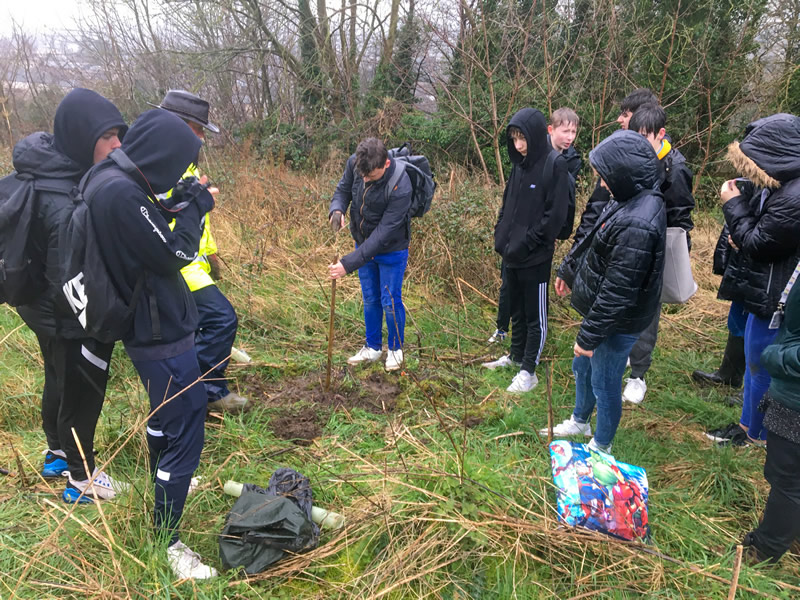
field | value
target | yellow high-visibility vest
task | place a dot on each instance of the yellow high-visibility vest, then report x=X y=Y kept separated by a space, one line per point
x=198 y=273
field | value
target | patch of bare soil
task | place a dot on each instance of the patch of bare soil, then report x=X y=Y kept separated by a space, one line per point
x=303 y=405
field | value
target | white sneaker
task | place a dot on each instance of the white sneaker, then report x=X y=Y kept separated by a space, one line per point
x=366 y=354
x=523 y=382
x=598 y=448
x=394 y=360
x=102 y=487
x=634 y=390
x=194 y=483
x=503 y=361
x=570 y=427
x=187 y=564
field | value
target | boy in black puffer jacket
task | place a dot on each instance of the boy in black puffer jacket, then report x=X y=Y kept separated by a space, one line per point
x=532 y=215
x=86 y=128
x=765 y=234
x=135 y=238
x=615 y=274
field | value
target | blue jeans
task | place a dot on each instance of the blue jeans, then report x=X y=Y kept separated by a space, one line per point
x=381 y=288
x=757 y=336
x=737 y=319
x=598 y=380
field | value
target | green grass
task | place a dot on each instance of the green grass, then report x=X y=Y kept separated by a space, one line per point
x=435 y=509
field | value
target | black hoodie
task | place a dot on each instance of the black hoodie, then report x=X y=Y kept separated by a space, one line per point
x=82 y=117
x=531 y=217
x=135 y=238
x=57 y=163
x=765 y=229
x=618 y=269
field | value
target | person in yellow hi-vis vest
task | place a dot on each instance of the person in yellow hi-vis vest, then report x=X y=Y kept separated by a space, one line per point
x=218 y=322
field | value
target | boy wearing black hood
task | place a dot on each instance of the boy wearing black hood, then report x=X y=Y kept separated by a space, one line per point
x=615 y=273
x=135 y=238
x=87 y=127
x=530 y=219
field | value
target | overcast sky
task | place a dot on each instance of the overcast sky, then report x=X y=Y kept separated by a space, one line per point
x=38 y=16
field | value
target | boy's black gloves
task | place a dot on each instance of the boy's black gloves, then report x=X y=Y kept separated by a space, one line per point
x=336 y=221
x=186 y=191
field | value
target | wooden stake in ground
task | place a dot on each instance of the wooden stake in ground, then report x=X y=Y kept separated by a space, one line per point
x=549 y=379
x=330 y=330
x=737 y=565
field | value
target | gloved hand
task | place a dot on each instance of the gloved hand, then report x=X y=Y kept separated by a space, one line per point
x=337 y=219
x=205 y=201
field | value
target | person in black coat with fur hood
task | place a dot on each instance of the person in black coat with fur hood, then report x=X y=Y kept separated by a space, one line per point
x=616 y=274
x=532 y=214
x=765 y=235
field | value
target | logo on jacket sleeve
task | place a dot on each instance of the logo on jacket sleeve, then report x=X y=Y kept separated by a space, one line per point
x=76 y=296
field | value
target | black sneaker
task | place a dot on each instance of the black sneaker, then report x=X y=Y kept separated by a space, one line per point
x=738 y=438
x=724 y=433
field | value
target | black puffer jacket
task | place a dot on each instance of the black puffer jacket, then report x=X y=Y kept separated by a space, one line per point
x=764 y=226
x=620 y=264
x=57 y=163
x=135 y=238
x=378 y=225
x=531 y=216
x=676 y=186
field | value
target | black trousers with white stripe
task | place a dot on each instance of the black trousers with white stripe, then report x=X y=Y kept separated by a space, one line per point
x=527 y=289
x=75 y=377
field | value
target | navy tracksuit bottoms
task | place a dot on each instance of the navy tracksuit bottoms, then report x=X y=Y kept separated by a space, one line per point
x=175 y=432
x=214 y=338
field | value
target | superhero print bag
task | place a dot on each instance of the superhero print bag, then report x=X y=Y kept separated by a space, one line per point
x=595 y=491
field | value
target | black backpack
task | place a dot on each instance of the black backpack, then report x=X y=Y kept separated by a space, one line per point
x=548 y=172
x=419 y=172
x=22 y=269
x=87 y=285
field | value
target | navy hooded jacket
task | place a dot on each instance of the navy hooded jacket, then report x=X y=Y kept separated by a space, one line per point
x=616 y=273
x=531 y=216
x=57 y=163
x=135 y=238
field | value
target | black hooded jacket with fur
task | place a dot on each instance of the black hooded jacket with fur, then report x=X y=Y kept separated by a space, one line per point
x=766 y=233
x=531 y=216
x=618 y=268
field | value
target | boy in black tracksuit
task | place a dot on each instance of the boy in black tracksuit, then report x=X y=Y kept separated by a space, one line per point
x=86 y=128
x=531 y=217
x=135 y=238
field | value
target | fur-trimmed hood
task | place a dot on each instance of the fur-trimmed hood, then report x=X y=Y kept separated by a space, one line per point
x=768 y=155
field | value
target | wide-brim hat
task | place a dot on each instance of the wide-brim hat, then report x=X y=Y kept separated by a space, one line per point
x=187 y=106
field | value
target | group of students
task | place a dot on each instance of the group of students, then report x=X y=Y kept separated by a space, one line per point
x=183 y=326
x=614 y=272
x=161 y=261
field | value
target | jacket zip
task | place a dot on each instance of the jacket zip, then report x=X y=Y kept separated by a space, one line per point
x=361 y=210
x=769 y=281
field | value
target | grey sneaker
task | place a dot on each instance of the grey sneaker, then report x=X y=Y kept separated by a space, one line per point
x=503 y=361
x=570 y=427
x=232 y=403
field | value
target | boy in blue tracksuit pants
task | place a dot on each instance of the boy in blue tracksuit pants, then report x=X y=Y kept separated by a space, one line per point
x=135 y=239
